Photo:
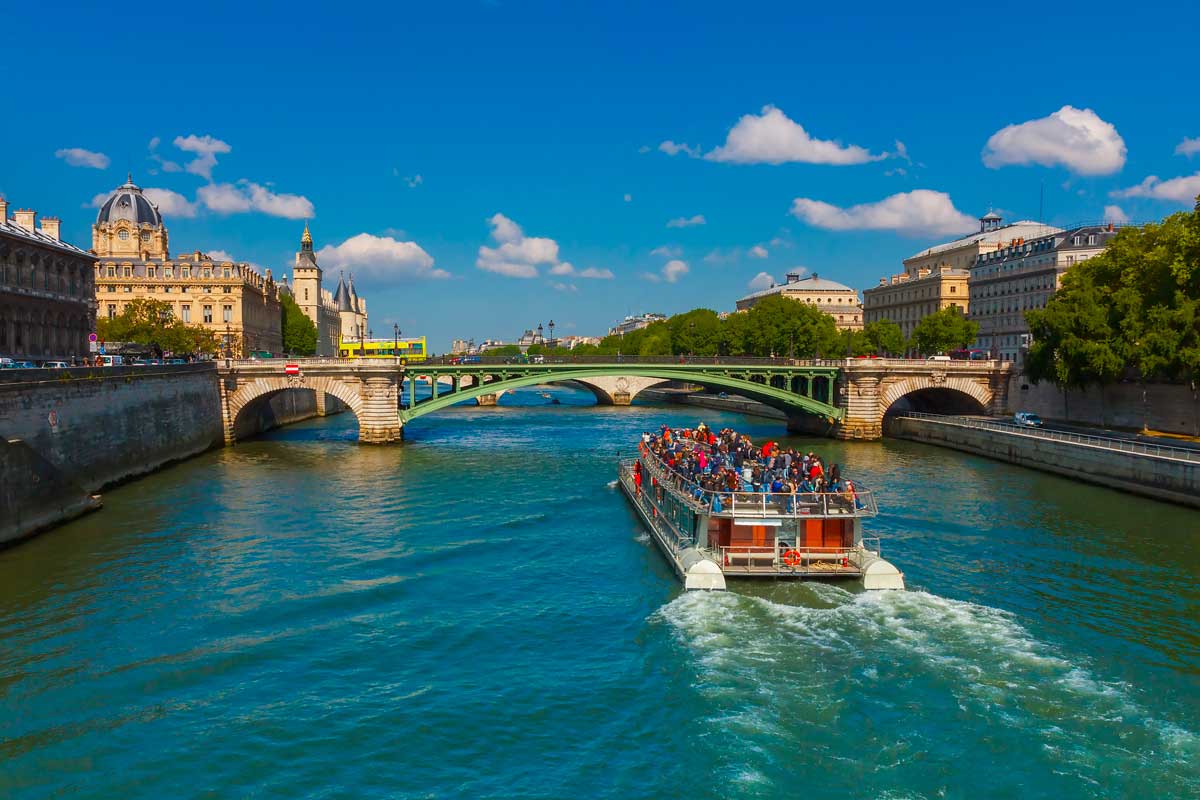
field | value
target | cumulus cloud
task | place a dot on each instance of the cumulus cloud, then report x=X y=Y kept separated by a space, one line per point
x=667 y=251
x=518 y=255
x=380 y=256
x=1070 y=137
x=687 y=222
x=597 y=274
x=78 y=157
x=719 y=256
x=221 y=255
x=762 y=280
x=1115 y=214
x=628 y=198
x=1188 y=147
x=758 y=251
x=772 y=138
x=673 y=270
x=245 y=196
x=167 y=166
x=1180 y=190
x=919 y=212
x=564 y=287
x=414 y=181
x=206 y=148
x=170 y=204
x=675 y=148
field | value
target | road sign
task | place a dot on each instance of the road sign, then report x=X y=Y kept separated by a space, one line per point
x=291 y=369
x=93 y=337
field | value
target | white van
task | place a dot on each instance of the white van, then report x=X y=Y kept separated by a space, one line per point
x=938 y=358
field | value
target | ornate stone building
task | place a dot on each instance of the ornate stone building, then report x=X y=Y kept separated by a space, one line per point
x=46 y=292
x=835 y=299
x=134 y=261
x=353 y=311
x=314 y=300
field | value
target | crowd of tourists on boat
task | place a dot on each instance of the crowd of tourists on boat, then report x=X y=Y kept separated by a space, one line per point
x=713 y=465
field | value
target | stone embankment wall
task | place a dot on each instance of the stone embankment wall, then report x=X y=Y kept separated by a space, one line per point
x=34 y=494
x=736 y=404
x=1161 y=477
x=284 y=408
x=1170 y=408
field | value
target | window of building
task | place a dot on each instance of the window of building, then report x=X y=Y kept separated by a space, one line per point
x=1091 y=238
x=168 y=272
x=185 y=272
x=208 y=314
x=226 y=272
x=112 y=310
x=185 y=313
x=306 y=294
x=227 y=313
x=127 y=272
x=111 y=272
x=122 y=235
x=207 y=272
x=145 y=236
x=149 y=272
x=226 y=289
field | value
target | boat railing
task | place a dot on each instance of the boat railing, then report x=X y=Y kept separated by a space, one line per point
x=782 y=555
x=858 y=503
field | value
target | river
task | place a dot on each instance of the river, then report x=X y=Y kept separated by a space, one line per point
x=478 y=614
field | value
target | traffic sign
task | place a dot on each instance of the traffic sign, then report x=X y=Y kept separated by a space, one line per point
x=93 y=337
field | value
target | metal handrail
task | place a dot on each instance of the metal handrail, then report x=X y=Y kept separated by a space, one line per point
x=413 y=365
x=1107 y=443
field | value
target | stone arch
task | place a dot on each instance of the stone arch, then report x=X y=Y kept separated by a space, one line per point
x=255 y=389
x=928 y=384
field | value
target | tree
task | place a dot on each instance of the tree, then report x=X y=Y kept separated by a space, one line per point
x=697 y=332
x=1131 y=309
x=299 y=332
x=884 y=337
x=782 y=327
x=506 y=350
x=151 y=322
x=946 y=329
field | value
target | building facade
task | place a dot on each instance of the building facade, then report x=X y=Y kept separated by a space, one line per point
x=133 y=261
x=1023 y=275
x=835 y=299
x=314 y=300
x=936 y=278
x=47 y=298
x=634 y=323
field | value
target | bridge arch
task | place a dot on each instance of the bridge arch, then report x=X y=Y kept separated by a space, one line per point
x=756 y=387
x=259 y=389
x=937 y=394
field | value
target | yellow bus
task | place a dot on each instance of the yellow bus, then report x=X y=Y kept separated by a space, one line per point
x=411 y=349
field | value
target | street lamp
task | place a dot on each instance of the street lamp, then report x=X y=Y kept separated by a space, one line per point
x=551 y=342
x=228 y=355
x=361 y=344
x=395 y=340
x=540 y=332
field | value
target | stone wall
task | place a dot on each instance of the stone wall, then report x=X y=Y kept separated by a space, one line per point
x=1161 y=477
x=34 y=494
x=284 y=408
x=1170 y=408
x=99 y=426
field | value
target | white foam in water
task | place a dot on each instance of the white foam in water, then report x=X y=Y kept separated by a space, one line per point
x=612 y=484
x=996 y=671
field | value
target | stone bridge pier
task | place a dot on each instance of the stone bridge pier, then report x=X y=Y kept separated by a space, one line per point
x=617 y=390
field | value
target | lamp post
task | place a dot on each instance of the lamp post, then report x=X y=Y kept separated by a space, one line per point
x=539 y=329
x=228 y=354
x=362 y=352
x=551 y=342
x=395 y=340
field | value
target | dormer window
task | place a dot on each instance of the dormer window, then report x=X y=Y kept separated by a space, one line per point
x=123 y=235
x=145 y=236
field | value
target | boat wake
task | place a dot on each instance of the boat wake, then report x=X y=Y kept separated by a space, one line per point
x=921 y=668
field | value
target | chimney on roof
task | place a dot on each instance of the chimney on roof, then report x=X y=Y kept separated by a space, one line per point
x=3 y=211
x=793 y=277
x=25 y=217
x=51 y=226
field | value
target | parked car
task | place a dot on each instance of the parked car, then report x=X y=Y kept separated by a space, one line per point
x=176 y=361
x=939 y=358
x=1027 y=419
x=7 y=363
x=55 y=365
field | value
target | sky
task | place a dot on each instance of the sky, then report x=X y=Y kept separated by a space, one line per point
x=481 y=167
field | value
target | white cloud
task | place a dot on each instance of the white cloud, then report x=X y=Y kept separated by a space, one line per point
x=719 y=256
x=901 y=171
x=1188 y=147
x=645 y=149
x=564 y=287
x=675 y=148
x=170 y=204
x=167 y=166
x=1181 y=190
x=650 y=276
x=919 y=212
x=221 y=255
x=78 y=157
x=687 y=222
x=206 y=149
x=597 y=274
x=667 y=251
x=772 y=138
x=154 y=142
x=673 y=270
x=628 y=198
x=762 y=280
x=518 y=255
x=1071 y=137
x=414 y=181
x=1115 y=214
x=380 y=256
x=758 y=251
x=245 y=196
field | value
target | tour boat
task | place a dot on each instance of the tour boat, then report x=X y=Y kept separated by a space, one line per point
x=710 y=536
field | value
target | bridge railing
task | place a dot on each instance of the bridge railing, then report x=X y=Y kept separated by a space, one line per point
x=583 y=360
x=1108 y=443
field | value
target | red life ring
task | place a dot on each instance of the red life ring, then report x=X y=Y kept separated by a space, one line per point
x=791 y=558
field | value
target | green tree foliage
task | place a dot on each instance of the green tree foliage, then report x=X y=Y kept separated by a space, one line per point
x=151 y=322
x=506 y=350
x=884 y=337
x=299 y=332
x=698 y=332
x=1136 y=306
x=782 y=327
x=943 y=330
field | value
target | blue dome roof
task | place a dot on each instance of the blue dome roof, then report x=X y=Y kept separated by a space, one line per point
x=128 y=203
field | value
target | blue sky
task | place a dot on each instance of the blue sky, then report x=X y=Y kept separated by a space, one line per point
x=543 y=133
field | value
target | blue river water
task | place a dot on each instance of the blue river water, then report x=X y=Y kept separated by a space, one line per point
x=477 y=613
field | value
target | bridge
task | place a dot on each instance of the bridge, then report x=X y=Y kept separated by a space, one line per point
x=846 y=398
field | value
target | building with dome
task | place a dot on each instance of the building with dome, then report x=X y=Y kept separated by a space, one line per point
x=134 y=261
x=835 y=299
x=46 y=294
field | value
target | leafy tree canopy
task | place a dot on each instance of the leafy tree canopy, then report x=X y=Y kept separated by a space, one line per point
x=884 y=337
x=299 y=332
x=151 y=322
x=943 y=330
